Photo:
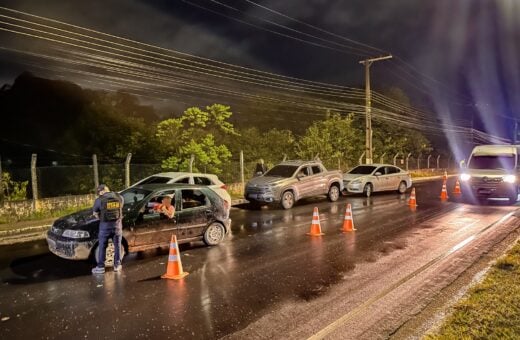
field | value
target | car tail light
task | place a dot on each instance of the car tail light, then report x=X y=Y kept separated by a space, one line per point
x=223 y=186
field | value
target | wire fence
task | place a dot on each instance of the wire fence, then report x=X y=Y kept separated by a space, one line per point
x=55 y=181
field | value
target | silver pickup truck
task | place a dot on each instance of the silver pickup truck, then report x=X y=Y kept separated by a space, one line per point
x=291 y=181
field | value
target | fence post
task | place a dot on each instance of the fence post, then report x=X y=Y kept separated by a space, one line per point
x=284 y=157
x=96 y=172
x=127 y=170
x=242 y=179
x=382 y=158
x=192 y=159
x=419 y=162
x=395 y=158
x=1 y=182
x=360 y=161
x=34 y=181
x=428 y=162
x=438 y=161
x=407 y=158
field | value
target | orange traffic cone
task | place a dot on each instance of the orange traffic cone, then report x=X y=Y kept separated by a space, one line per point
x=174 y=268
x=348 y=222
x=412 y=202
x=315 y=226
x=457 y=190
x=444 y=192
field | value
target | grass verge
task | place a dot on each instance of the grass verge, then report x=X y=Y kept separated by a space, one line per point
x=491 y=309
x=41 y=215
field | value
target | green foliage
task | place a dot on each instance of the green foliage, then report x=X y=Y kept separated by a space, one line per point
x=271 y=145
x=332 y=139
x=198 y=133
x=12 y=190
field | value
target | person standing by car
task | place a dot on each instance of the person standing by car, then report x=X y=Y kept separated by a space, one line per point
x=108 y=208
x=166 y=208
x=260 y=168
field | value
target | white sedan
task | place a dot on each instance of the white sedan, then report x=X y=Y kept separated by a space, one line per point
x=371 y=178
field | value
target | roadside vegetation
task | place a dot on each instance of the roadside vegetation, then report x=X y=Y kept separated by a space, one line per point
x=491 y=309
x=7 y=220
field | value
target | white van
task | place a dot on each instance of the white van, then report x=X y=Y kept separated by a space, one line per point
x=492 y=171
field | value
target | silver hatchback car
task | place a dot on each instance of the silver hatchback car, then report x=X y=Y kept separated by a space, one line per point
x=371 y=178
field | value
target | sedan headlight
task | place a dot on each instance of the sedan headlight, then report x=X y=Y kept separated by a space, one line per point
x=465 y=177
x=75 y=233
x=510 y=179
x=356 y=181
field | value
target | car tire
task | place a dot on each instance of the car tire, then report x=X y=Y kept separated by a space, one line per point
x=402 y=187
x=214 y=234
x=368 y=189
x=334 y=193
x=287 y=200
x=110 y=252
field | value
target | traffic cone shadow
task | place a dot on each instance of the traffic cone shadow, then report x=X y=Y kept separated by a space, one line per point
x=315 y=225
x=348 y=222
x=174 y=268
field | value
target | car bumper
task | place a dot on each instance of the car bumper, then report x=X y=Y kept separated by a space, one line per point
x=67 y=248
x=498 y=190
x=353 y=187
x=260 y=197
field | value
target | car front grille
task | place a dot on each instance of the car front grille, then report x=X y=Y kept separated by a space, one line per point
x=486 y=183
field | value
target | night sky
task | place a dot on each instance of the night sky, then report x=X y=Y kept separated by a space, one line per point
x=458 y=59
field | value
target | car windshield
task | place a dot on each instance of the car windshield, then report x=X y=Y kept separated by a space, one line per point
x=282 y=171
x=505 y=162
x=134 y=195
x=362 y=170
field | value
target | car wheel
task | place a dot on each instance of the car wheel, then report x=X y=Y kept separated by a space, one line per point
x=214 y=234
x=367 y=191
x=287 y=200
x=402 y=187
x=333 y=194
x=110 y=253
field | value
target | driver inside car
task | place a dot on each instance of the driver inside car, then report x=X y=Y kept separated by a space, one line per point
x=166 y=209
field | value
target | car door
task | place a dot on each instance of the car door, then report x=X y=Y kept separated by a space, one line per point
x=151 y=227
x=380 y=182
x=394 y=178
x=320 y=181
x=194 y=214
x=304 y=182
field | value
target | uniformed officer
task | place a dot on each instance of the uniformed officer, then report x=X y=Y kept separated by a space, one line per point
x=108 y=208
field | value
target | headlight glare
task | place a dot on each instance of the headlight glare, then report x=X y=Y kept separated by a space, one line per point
x=465 y=177
x=510 y=179
x=75 y=233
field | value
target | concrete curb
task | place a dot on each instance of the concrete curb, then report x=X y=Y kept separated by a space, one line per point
x=37 y=232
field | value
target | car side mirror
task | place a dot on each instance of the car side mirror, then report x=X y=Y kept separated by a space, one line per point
x=378 y=174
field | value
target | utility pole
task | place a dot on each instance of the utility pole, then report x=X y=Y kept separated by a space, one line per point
x=368 y=108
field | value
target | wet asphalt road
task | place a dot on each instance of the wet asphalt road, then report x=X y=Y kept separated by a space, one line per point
x=267 y=262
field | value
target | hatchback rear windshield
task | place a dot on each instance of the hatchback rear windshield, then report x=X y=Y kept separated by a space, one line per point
x=505 y=162
x=156 y=180
x=362 y=170
x=282 y=171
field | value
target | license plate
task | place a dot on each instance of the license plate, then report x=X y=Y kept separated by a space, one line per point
x=484 y=191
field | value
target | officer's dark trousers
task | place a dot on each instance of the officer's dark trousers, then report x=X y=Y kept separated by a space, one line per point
x=105 y=233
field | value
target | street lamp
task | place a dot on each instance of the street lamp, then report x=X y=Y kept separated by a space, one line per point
x=368 y=109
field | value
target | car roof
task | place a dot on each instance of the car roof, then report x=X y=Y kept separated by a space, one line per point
x=159 y=187
x=379 y=164
x=178 y=174
x=298 y=162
